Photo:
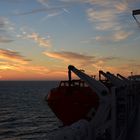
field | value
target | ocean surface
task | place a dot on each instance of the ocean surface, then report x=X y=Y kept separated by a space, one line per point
x=24 y=114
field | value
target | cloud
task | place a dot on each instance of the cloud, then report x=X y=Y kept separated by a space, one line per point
x=106 y=59
x=43 y=2
x=5 y=39
x=136 y=65
x=116 y=37
x=23 y=68
x=66 y=56
x=28 y=33
x=49 y=10
x=5 y=30
x=108 y=17
x=14 y=1
x=40 y=40
x=105 y=18
x=119 y=5
x=14 y=56
x=2 y=23
x=33 y=69
x=13 y=61
x=102 y=62
x=122 y=35
x=70 y=57
x=93 y=62
x=80 y=60
x=5 y=24
x=37 y=69
x=6 y=66
x=124 y=69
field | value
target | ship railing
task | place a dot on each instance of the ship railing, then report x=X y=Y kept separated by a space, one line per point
x=113 y=125
x=123 y=110
x=112 y=119
x=78 y=83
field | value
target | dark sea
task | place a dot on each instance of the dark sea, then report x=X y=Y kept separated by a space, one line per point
x=24 y=113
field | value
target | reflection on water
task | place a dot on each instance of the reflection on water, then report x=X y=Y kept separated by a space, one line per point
x=24 y=113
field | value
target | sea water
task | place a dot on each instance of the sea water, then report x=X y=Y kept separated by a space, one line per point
x=24 y=113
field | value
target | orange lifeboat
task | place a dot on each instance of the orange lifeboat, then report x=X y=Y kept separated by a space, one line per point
x=72 y=101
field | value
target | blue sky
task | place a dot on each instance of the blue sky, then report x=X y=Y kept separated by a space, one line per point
x=40 y=38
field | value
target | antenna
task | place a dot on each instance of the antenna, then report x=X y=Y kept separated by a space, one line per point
x=136 y=12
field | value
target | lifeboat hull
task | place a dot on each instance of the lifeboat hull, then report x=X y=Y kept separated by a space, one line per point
x=71 y=104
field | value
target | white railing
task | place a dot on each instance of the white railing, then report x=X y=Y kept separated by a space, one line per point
x=111 y=122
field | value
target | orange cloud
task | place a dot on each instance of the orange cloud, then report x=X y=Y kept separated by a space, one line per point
x=10 y=71
x=17 y=71
x=14 y=75
x=23 y=68
x=13 y=62
x=71 y=57
x=13 y=56
x=6 y=66
x=36 y=69
x=68 y=56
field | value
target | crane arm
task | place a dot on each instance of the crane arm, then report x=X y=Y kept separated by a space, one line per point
x=114 y=80
x=97 y=86
x=123 y=78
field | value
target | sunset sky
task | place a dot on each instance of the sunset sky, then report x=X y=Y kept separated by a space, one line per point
x=40 y=38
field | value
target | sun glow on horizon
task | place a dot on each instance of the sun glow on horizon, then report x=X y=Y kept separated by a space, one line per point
x=39 y=39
